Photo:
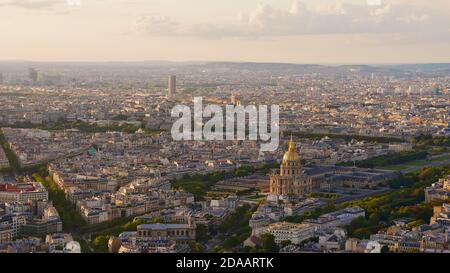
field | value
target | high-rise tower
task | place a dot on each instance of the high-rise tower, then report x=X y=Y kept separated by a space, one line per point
x=33 y=74
x=172 y=86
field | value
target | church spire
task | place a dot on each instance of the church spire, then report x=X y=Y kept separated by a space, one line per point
x=291 y=144
x=291 y=154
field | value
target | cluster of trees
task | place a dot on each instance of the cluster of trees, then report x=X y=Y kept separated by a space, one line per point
x=428 y=140
x=85 y=246
x=268 y=245
x=93 y=128
x=199 y=184
x=346 y=137
x=120 y=117
x=115 y=226
x=14 y=164
x=405 y=201
x=382 y=218
x=70 y=217
x=235 y=227
x=249 y=169
x=100 y=242
x=201 y=233
x=196 y=247
x=83 y=126
x=246 y=192
x=389 y=159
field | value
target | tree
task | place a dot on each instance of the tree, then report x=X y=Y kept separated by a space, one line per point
x=100 y=243
x=429 y=173
x=385 y=249
x=285 y=243
x=246 y=249
x=268 y=243
x=202 y=233
x=231 y=242
x=217 y=249
x=195 y=247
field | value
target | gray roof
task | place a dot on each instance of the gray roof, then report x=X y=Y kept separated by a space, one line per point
x=162 y=226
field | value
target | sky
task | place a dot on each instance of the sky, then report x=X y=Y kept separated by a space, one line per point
x=293 y=31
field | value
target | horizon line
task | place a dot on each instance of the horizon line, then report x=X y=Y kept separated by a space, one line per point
x=219 y=61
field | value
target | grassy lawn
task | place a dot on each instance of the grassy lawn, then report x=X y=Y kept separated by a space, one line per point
x=415 y=163
x=440 y=158
x=404 y=166
x=395 y=167
x=255 y=197
x=390 y=159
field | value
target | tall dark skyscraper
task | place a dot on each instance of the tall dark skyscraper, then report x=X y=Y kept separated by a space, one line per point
x=33 y=74
x=172 y=86
x=1 y=78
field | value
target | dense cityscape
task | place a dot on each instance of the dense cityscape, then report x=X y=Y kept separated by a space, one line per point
x=224 y=136
x=88 y=162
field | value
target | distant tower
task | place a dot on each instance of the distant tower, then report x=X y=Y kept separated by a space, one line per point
x=234 y=100
x=411 y=90
x=1 y=78
x=172 y=85
x=33 y=74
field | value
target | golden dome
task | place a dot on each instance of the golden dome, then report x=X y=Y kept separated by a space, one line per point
x=291 y=154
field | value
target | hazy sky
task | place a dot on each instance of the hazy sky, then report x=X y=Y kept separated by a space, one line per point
x=301 y=31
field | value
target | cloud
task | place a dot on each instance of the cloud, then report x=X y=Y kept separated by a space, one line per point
x=301 y=19
x=31 y=4
x=374 y=2
x=156 y=24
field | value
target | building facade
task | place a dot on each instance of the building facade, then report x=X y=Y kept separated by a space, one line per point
x=439 y=191
x=295 y=233
x=290 y=180
x=22 y=192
